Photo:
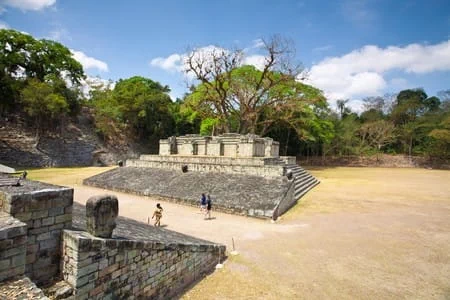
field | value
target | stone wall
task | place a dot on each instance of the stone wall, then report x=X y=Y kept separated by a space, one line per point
x=380 y=160
x=247 y=166
x=228 y=145
x=287 y=202
x=13 y=246
x=111 y=268
x=254 y=196
x=46 y=210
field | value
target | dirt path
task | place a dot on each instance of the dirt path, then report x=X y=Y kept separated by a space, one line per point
x=362 y=233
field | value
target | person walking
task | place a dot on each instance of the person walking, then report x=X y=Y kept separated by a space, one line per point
x=157 y=214
x=208 y=208
x=203 y=203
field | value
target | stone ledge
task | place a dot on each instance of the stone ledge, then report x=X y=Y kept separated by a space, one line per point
x=83 y=241
x=20 y=288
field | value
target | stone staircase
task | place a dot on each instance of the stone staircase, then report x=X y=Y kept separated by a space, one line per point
x=303 y=181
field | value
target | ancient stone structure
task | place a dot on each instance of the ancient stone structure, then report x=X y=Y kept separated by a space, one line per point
x=39 y=245
x=228 y=145
x=244 y=174
x=101 y=214
x=46 y=210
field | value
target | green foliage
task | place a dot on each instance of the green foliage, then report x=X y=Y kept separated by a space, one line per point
x=207 y=126
x=251 y=101
x=36 y=58
x=29 y=64
x=138 y=103
x=42 y=102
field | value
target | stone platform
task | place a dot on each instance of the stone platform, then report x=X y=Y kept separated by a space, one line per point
x=254 y=196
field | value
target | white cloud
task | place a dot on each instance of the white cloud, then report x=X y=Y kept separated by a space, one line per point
x=171 y=63
x=28 y=4
x=258 y=43
x=89 y=62
x=176 y=62
x=255 y=60
x=3 y=25
x=95 y=82
x=361 y=72
x=59 y=34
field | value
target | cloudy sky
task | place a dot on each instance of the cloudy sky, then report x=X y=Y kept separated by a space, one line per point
x=351 y=48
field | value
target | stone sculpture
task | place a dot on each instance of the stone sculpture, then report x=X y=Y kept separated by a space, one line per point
x=101 y=214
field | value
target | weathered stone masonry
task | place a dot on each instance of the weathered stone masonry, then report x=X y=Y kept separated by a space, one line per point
x=138 y=261
x=13 y=246
x=111 y=268
x=46 y=210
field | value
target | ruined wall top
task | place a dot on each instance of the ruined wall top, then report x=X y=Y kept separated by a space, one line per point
x=229 y=144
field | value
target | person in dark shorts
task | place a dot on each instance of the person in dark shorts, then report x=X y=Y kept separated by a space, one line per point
x=208 y=208
x=203 y=203
x=157 y=214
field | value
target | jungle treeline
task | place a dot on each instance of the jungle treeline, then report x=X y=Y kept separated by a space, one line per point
x=42 y=83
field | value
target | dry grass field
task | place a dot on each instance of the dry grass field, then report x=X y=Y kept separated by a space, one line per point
x=364 y=233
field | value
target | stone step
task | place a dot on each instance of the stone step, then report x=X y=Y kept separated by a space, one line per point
x=306 y=189
x=301 y=173
x=300 y=184
x=303 y=176
x=305 y=185
x=303 y=181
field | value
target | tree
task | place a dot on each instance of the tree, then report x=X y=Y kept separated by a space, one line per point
x=138 y=103
x=377 y=134
x=22 y=58
x=441 y=139
x=21 y=54
x=342 y=108
x=42 y=103
x=246 y=99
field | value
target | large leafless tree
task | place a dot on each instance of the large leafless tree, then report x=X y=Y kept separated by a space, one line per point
x=255 y=96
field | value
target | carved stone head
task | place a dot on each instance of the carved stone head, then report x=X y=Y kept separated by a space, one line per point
x=101 y=214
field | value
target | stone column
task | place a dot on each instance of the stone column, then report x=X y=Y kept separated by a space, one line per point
x=101 y=214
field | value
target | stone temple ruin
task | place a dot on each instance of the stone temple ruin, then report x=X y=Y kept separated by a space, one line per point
x=77 y=252
x=244 y=174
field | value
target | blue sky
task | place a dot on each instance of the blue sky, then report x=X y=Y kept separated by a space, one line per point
x=351 y=49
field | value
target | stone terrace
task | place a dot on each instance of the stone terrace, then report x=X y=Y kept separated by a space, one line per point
x=129 y=229
x=240 y=194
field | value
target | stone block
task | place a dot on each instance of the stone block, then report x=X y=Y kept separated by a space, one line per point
x=68 y=210
x=39 y=203
x=5 y=264
x=56 y=227
x=39 y=214
x=44 y=236
x=101 y=214
x=56 y=211
x=16 y=231
x=25 y=216
x=48 y=244
x=80 y=281
x=48 y=221
x=37 y=223
x=38 y=230
x=18 y=260
x=5 y=244
x=20 y=240
x=12 y=272
x=11 y=252
x=65 y=200
x=63 y=218
x=87 y=270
